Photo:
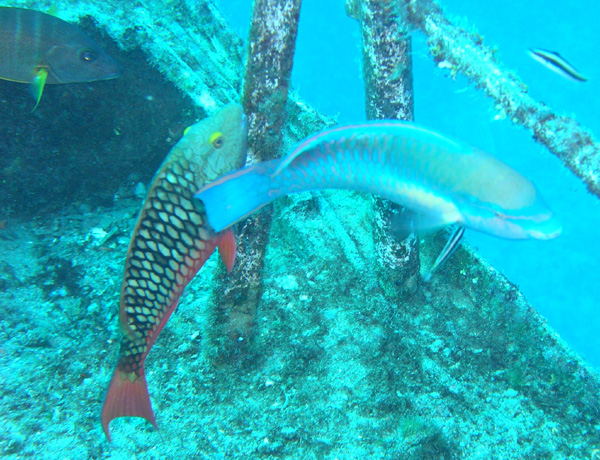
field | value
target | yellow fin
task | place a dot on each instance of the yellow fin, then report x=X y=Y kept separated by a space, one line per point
x=37 y=85
x=53 y=11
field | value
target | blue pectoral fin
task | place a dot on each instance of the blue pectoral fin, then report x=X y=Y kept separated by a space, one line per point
x=37 y=85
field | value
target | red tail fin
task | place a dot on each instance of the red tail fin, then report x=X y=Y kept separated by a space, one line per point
x=127 y=397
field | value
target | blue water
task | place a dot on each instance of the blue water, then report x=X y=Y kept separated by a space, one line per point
x=559 y=277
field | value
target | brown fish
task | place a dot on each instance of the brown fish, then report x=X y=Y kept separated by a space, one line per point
x=38 y=48
x=171 y=241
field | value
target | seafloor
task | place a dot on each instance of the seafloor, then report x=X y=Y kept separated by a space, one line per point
x=335 y=365
x=464 y=369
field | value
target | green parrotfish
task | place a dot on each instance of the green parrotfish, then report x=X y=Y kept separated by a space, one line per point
x=444 y=181
x=171 y=241
x=40 y=49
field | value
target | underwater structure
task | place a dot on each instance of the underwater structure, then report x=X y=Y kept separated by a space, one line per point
x=322 y=342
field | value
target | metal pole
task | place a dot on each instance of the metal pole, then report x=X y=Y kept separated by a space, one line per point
x=387 y=68
x=271 y=45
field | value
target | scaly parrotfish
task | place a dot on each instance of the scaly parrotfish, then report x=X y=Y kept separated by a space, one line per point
x=556 y=63
x=170 y=243
x=41 y=49
x=444 y=181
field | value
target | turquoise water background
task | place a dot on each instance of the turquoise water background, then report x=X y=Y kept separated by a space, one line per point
x=559 y=277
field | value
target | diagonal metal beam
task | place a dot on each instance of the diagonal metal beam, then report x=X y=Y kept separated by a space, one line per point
x=462 y=51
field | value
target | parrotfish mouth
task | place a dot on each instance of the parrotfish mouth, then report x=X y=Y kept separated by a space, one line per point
x=551 y=228
x=543 y=226
x=515 y=227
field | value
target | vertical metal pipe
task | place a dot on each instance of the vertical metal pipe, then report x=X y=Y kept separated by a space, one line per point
x=387 y=68
x=271 y=45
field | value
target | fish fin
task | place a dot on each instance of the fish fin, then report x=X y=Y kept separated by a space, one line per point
x=428 y=223
x=299 y=150
x=235 y=196
x=304 y=146
x=405 y=222
x=127 y=396
x=402 y=224
x=448 y=250
x=53 y=11
x=227 y=249
x=37 y=85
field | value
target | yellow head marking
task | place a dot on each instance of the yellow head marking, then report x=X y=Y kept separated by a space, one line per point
x=186 y=130
x=216 y=139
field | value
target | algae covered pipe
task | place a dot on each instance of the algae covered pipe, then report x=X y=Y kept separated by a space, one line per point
x=464 y=52
x=271 y=45
x=387 y=71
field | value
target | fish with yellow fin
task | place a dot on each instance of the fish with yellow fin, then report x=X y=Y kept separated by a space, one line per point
x=171 y=241
x=40 y=49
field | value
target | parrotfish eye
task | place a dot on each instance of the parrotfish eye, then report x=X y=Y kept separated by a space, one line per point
x=216 y=139
x=88 y=56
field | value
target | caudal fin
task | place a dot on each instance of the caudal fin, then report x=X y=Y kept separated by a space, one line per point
x=237 y=195
x=127 y=396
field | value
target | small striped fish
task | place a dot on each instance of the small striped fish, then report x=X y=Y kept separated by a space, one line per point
x=170 y=243
x=444 y=181
x=41 y=49
x=556 y=63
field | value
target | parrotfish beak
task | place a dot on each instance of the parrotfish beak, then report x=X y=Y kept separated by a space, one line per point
x=546 y=230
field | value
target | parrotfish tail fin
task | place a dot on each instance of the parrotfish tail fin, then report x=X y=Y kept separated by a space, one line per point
x=449 y=248
x=127 y=396
x=227 y=249
x=234 y=196
x=37 y=85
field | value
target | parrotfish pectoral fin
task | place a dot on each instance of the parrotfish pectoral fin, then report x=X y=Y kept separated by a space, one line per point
x=237 y=195
x=449 y=248
x=127 y=396
x=406 y=222
x=37 y=85
x=227 y=249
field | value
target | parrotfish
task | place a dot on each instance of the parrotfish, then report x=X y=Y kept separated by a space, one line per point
x=444 y=181
x=170 y=243
x=41 y=49
x=556 y=63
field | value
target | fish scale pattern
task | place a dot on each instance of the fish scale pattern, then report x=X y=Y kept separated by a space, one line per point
x=165 y=254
